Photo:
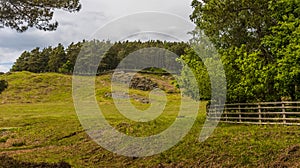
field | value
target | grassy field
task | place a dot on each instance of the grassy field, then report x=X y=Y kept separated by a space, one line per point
x=38 y=125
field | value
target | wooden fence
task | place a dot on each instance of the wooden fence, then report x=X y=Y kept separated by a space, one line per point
x=285 y=113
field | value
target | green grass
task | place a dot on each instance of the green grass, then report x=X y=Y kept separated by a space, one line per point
x=45 y=128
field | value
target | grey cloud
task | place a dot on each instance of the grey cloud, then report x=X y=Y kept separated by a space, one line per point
x=94 y=15
x=7 y=57
x=167 y=25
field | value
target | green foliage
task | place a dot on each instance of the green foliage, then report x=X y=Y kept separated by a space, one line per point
x=248 y=76
x=72 y=52
x=259 y=45
x=66 y=68
x=34 y=61
x=3 y=85
x=194 y=68
x=59 y=59
x=21 y=15
x=231 y=23
x=203 y=63
x=284 y=44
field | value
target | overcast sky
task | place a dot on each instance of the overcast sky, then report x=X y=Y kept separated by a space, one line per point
x=74 y=27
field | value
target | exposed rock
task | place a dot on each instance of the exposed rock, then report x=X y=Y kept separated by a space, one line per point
x=140 y=83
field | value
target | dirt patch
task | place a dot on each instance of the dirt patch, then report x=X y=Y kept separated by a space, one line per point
x=289 y=158
x=6 y=161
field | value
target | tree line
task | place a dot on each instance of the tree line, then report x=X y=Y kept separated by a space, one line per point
x=62 y=60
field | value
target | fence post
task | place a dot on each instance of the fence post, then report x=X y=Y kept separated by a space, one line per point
x=215 y=114
x=225 y=112
x=283 y=113
x=208 y=112
x=259 y=113
x=240 y=115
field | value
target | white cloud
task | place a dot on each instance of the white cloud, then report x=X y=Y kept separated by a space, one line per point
x=8 y=55
x=5 y=68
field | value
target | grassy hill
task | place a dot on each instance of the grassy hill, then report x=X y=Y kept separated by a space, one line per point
x=26 y=87
x=39 y=126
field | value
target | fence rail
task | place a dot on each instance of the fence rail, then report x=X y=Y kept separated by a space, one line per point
x=281 y=113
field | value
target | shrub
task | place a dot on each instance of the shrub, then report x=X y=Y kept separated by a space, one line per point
x=3 y=85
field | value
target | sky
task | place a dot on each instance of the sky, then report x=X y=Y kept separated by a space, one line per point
x=107 y=19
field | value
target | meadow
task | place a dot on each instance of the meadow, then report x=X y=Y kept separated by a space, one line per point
x=38 y=124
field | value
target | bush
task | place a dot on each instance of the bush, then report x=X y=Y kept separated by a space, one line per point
x=3 y=85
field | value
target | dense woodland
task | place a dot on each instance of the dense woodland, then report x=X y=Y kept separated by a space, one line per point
x=62 y=60
x=258 y=41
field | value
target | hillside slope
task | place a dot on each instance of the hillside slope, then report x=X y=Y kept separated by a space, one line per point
x=39 y=127
x=27 y=87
